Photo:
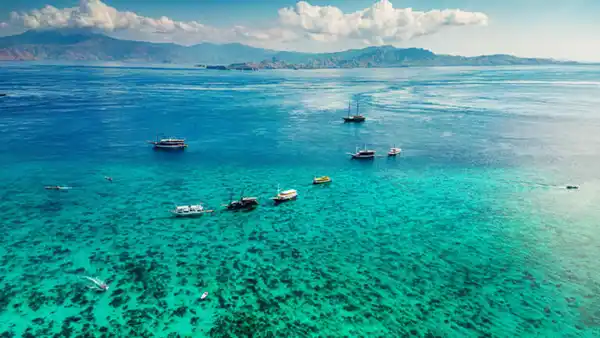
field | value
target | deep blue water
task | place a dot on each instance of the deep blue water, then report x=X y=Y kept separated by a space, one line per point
x=469 y=232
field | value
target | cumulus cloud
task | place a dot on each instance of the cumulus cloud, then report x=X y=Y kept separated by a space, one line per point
x=378 y=24
x=95 y=14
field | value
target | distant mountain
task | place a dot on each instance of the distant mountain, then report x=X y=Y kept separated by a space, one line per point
x=389 y=56
x=70 y=45
x=85 y=46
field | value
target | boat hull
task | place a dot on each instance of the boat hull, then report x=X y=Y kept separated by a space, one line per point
x=279 y=200
x=189 y=214
x=170 y=147
x=321 y=181
x=350 y=120
x=358 y=157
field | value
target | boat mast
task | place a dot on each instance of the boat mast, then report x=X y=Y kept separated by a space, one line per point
x=349 y=104
x=357 y=108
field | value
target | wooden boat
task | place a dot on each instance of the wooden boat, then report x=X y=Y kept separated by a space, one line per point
x=190 y=210
x=354 y=118
x=364 y=154
x=321 y=180
x=244 y=203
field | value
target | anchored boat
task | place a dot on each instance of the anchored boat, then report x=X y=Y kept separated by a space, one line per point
x=394 y=151
x=169 y=143
x=321 y=180
x=354 y=118
x=284 y=196
x=189 y=210
x=244 y=203
x=364 y=154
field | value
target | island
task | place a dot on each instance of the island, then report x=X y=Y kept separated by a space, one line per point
x=78 y=45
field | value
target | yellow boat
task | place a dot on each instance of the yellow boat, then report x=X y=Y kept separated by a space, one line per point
x=321 y=180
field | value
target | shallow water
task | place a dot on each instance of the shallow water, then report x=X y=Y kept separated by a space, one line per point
x=468 y=233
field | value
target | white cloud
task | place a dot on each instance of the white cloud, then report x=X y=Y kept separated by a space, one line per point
x=302 y=25
x=380 y=23
x=97 y=15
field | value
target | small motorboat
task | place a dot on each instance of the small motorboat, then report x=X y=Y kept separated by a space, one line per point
x=108 y=178
x=204 y=295
x=572 y=187
x=189 y=210
x=354 y=118
x=363 y=154
x=394 y=151
x=321 y=180
x=284 y=196
x=56 y=187
x=3 y=94
x=244 y=203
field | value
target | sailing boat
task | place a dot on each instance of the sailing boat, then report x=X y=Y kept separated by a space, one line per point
x=354 y=118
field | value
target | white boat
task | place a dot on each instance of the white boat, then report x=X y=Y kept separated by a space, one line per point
x=169 y=143
x=363 y=154
x=189 y=210
x=286 y=195
x=394 y=151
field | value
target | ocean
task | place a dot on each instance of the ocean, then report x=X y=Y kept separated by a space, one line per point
x=470 y=232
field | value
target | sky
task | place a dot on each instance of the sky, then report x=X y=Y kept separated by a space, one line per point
x=560 y=29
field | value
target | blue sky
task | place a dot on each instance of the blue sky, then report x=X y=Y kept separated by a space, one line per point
x=551 y=28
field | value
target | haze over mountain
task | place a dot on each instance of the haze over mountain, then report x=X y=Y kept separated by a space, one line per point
x=81 y=45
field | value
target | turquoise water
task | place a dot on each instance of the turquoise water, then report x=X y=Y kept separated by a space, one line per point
x=469 y=233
